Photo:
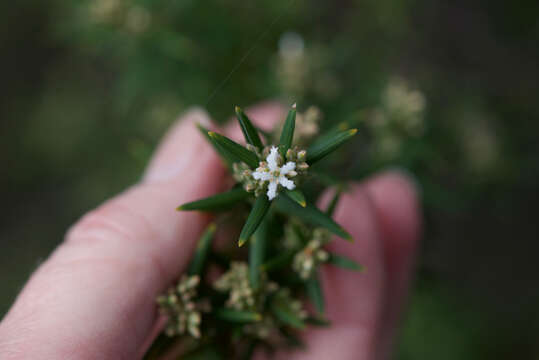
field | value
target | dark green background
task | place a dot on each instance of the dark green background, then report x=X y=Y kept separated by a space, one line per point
x=83 y=101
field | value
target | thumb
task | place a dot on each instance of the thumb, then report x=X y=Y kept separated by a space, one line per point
x=94 y=297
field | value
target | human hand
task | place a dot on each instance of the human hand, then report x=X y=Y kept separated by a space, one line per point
x=94 y=298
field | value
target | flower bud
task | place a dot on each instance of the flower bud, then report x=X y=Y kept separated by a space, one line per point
x=303 y=166
x=291 y=155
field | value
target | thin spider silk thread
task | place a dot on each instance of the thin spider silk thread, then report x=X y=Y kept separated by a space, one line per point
x=244 y=57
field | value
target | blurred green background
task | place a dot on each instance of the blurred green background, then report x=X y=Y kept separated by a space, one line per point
x=447 y=90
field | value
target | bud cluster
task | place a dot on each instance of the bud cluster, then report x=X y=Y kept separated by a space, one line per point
x=307 y=260
x=262 y=329
x=179 y=305
x=294 y=306
x=307 y=125
x=236 y=282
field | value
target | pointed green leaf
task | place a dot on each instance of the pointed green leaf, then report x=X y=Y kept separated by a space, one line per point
x=201 y=252
x=268 y=136
x=318 y=321
x=310 y=214
x=333 y=203
x=325 y=178
x=234 y=150
x=315 y=293
x=287 y=135
x=327 y=144
x=286 y=316
x=248 y=129
x=293 y=340
x=206 y=353
x=159 y=346
x=257 y=249
x=259 y=210
x=217 y=202
x=238 y=316
x=296 y=196
x=249 y=350
x=278 y=261
x=225 y=156
x=344 y=262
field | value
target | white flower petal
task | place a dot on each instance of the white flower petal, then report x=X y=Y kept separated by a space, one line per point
x=272 y=190
x=289 y=184
x=272 y=159
x=286 y=168
x=261 y=175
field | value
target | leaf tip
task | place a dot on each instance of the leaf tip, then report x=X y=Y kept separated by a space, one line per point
x=241 y=241
x=343 y=126
x=294 y=105
x=180 y=208
x=352 y=131
x=257 y=317
x=212 y=227
x=237 y=109
x=212 y=134
x=303 y=203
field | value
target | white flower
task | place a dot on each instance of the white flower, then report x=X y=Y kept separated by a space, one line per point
x=274 y=174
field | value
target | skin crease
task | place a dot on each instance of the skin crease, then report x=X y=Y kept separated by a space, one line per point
x=94 y=297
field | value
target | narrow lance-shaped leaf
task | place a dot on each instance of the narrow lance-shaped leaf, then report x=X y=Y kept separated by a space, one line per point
x=293 y=340
x=287 y=135
x=310 y=214
x=206 y=353
x=286 y=316
x=257 y=249
x=216 y=202
x=278 y=261
x=325 y=178
x=333 y=203
x=314 y=291
x=225 y=156
x=249 y=351
x=318 y=321
x=248 y=129
x=234 y=150
x=201 y=252
x=238 y=316
x=344 y=262
x=159 y=346
x=328 y=144
x=265 y=134
x=297 y=196
x=259 y=210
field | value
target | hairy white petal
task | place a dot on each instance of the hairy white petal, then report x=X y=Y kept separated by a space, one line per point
x=262 y=175
x=272 y=159
x=286 y=168
x=272 y=190
x=289 y=184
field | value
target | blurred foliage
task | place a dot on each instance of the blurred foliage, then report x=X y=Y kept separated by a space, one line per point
x=90 y=86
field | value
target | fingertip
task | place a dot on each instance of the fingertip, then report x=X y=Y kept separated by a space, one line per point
x=180 y=145
x=395 y=194
x=266 y=114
